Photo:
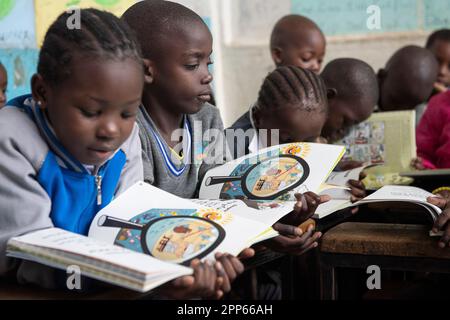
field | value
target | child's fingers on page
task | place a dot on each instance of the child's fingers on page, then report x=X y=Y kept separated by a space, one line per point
x=246 y=253
x=312 y=199
x=227 y=274
x=324 y=198
x=183 y=282
x=437 y=200
x=300 y=203
x=229 y=267
x=287 y=229
x=357 y=192
x=441 y=220
x=237 y=265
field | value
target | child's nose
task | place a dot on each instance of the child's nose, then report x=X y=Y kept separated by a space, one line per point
x=207 y=79
x=108 y=130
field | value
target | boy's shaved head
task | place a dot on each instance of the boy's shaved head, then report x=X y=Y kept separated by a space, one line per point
x=292 y=28
x=353 y=93
x=290 y=35
x=156 y=22
x=408 y=78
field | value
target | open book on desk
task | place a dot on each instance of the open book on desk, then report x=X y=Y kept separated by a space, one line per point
x=146 y=236
x=393 y=195
x=336 y=186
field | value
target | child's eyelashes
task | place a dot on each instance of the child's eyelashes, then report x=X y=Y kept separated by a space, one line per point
x=89 y=113
x=191 y=66
x=128 y=115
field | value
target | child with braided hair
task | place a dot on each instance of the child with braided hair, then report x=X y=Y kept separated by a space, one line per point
x=72 y=145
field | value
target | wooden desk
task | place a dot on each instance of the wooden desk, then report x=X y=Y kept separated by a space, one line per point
x=389 y=246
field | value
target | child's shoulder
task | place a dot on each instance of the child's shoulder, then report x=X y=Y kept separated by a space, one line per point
x=19 y=132
x=209 y=115
x=441 y=100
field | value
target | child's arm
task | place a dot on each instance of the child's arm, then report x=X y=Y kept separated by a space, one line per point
x=24 y=204
x=133 y=170
x=428 y=134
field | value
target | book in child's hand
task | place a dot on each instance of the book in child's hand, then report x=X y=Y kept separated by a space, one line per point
x=336 y=186
x=399 y=194
x=146 y=225
x=388 y=139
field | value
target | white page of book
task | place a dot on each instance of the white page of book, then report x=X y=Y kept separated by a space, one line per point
x=274 y=170
x=143 y=198
x=402 y=193
x=266 y=212
x=64 y=240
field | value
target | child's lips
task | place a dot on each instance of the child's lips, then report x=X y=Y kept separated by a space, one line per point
x=102 y=154
x=205 y=97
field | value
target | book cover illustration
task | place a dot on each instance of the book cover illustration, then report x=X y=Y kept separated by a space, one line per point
x=177 y=236
x=365 y=142
x=266 y=176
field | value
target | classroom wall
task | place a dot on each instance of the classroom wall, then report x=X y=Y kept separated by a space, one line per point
x=246 y=26
x=241 y=31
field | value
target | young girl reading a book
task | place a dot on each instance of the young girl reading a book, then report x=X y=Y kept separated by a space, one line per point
x=73 y=145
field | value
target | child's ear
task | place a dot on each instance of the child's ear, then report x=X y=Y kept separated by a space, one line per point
x=39 y=90
x=149 y=71
x=277 y=55
x=331 y=93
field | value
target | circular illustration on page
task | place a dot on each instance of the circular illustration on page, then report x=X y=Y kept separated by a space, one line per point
x=265 y=177
x=175 y=238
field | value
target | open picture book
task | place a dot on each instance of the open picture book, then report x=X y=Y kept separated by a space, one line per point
x=387 y=139
x=391 y=195
x=146 y=236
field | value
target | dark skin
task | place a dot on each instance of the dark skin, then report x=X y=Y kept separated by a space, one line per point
x=304 y=45
x=343 y=114
x=3 y=85
x=441 y=50
x=293 y=122
x=442 y=223
x=178 y=83
x=101 y=112
x=296 y=124
x=407 y=80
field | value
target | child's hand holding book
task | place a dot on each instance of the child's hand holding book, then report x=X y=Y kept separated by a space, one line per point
x=442 y=223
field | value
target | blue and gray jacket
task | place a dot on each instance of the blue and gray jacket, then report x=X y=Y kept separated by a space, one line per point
x=43 y=186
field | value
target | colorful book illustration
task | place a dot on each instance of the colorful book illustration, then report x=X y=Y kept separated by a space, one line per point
x=387 y=139
x=146 y=236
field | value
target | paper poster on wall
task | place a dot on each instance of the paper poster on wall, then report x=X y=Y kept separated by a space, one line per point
x=21 y=65
x=17 y=28
x=48 y=10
